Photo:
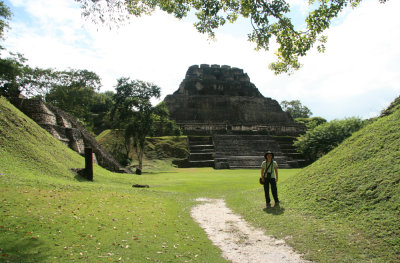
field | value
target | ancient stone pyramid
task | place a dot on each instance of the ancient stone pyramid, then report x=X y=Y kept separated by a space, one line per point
x=240 y=123
x=217 y=98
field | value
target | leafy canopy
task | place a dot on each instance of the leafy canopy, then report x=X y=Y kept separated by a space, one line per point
x=5 y=16
x=312 y=122
x=296 y=109
x=270 y=19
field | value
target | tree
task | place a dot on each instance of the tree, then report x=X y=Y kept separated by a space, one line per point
x=5 y=16
x=37 y=82
x=270 y=19
x=134 y=112
x=311 y=123
x=12 y=71
x=296 y=109
x=101 y=111
x=162 y=125
x=74 y=91
x=325 y=137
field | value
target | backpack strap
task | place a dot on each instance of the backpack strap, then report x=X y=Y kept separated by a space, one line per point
x=266 y=170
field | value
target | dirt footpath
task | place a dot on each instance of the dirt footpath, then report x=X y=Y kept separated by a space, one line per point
x=238 y=241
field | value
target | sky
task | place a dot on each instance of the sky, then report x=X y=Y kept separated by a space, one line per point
x=357 y=76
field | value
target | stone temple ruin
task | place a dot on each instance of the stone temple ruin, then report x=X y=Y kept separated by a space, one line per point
x=229 y=122
x=66 y=129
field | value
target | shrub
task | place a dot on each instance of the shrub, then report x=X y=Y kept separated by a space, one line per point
x=311 y=123
x=325 y=137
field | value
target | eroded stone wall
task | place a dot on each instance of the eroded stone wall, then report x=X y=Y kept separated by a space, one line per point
x=66 y=129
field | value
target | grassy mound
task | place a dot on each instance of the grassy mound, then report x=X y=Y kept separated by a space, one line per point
x=156 y=148
x=358 y=183
x=28 y=152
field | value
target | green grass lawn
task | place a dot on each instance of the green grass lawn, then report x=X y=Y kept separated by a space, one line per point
x=49 y=214
x=108 y=220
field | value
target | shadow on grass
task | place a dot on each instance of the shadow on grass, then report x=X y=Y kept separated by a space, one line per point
x=157 y=172
x=25 y=250
x=80 y=175
x=276 y=210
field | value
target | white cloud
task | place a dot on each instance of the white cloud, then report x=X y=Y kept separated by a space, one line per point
x=358 y=70
x=357 y=75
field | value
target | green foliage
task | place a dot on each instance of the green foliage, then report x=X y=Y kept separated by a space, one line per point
x=325 y=137
x=12 y=71
x=162 y=125
x=156 y=148
x=5 y=15
x=74 y=91
x=312 y=122
x=134 y=112
x=166 y=147
x=296 y=109
x=37 y=82
x=269 y=20
x=114 y=142
x=394 y=106
x=100 y=110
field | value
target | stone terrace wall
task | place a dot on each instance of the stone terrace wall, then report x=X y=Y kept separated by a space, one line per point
x=247 y=151
x=66 y=129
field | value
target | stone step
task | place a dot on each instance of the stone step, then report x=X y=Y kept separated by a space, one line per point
x=244 y=167
x=200 y=140
x=202 y=151
x=284 y=138
x=219 y=137
x=294 y=155
x=201 y=156
x=277 y=157
x=201 y=147
x=244 y=141
x=282 y=166
x=252 y=160
x=203 y=163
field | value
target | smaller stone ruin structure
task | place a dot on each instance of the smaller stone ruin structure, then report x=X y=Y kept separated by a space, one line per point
x=66 y=129
x=241 y=124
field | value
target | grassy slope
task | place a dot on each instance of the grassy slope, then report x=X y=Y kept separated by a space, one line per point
x=159 y=151
x=357 y=184
x=29 y=153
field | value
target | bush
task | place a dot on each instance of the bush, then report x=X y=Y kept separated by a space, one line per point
x=325 y=137
x=311 y=123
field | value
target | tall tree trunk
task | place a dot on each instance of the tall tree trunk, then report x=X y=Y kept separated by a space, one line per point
x=140 y=156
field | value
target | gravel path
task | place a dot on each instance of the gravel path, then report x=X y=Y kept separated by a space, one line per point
x=238 y=241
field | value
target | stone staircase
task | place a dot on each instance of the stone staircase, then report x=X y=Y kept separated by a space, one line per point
x=201 y=151
x=67 y=130
x=295 y=159
x=247 y=151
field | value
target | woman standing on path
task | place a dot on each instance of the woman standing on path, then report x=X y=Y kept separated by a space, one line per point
x=269 y=175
